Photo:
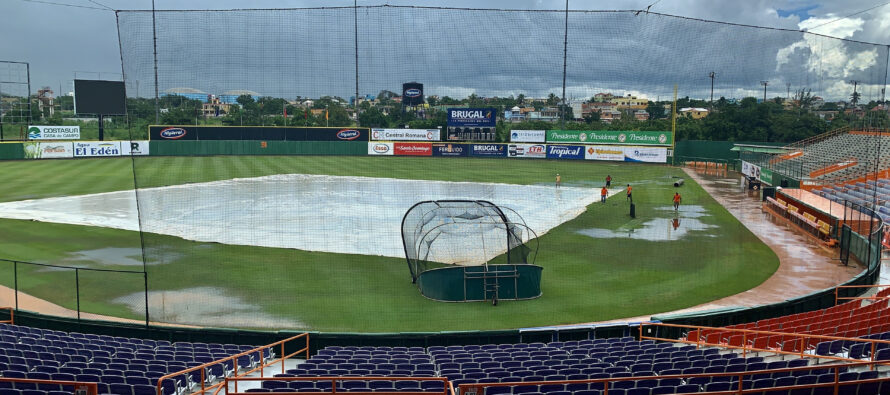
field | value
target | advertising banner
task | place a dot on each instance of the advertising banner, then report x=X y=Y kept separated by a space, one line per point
x=97 y=148
x=751 y=170
x=527 y=151
x=528 y=136
x=481 y=117
x=766 y=175
x=138 y=148
x=380 y=148
x=604 y=152
x=565 y=152
x=260 y=133
x=413 y=149
x=645 y=154
x=405 y=134
x=48 y=150
x=447 y=149
x=53 y=132
x=609 y=137
x=488 y=150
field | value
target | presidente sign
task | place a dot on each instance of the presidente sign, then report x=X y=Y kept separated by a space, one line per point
x=633 y=137
x=53 y=132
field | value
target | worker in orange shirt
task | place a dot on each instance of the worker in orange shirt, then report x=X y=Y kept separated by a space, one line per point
x=629 y=195
x=608 y=180
x=677 y=200
x=603 y=194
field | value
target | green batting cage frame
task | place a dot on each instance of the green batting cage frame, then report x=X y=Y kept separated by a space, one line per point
x=470 y=251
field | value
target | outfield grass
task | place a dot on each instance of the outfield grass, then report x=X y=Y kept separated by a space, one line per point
x=585 y=279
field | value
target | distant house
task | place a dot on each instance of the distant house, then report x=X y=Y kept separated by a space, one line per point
x=826 y=115
x=602 y=97
x=629 y=103
x=514 y=114
x=694 y=112
x=214 y=107
x=641 y=115
x=608 y=116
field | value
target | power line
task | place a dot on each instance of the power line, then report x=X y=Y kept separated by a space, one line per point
x=853 y=14
x=101 y=5
x=67 y=5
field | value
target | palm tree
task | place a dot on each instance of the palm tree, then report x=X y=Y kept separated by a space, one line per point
x=552 y=99
x=854 y=98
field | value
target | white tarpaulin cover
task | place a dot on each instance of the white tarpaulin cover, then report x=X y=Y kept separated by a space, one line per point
x=355 y=215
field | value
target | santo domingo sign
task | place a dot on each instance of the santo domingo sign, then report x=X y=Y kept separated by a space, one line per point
x=609 y=137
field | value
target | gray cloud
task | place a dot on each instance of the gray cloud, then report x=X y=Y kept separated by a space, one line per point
x=309 y=53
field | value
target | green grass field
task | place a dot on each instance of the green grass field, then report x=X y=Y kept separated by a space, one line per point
x=584 y=279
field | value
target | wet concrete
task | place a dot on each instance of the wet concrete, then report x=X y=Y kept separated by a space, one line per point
x=805 y=265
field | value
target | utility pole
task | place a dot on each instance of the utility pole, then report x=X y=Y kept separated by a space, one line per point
x=788 y=86
x=764 y=83
x=854 y=98
x=712 y=75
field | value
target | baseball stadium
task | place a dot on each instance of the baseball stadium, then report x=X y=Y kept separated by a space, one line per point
x=439 y=200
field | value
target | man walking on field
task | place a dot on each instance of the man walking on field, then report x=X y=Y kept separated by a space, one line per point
x=558 y=180
x=608 y=181
x=677 y=200
x=603 y=194
x=629 y=195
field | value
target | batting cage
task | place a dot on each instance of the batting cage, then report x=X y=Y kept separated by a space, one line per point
x=461 y=250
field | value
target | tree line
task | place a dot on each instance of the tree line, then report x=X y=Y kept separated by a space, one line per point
x=745 y=120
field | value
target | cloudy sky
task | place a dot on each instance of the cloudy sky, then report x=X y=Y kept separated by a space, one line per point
x=300 y=53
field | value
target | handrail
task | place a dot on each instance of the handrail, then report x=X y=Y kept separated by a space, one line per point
x=92 y=388
x=234 y=358
x=837 y=291
x=745 y=348
x=11 y=320
x=479 y=387
x=333 y=379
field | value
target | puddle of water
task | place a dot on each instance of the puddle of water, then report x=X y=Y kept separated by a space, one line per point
x=204 y=306
x=685 y=221
x=109 y=256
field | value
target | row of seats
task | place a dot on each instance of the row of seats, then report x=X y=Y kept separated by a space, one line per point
x=119 y=365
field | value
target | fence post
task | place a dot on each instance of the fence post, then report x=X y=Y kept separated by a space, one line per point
x=145 y=281
x=77 y=290
x=15 y=275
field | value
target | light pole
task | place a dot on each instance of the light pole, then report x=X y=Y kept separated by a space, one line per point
x=764 y=83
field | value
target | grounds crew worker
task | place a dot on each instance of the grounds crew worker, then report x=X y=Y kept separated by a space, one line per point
x=629 y=196
x=558 y=180
x=603 y=194
x=677 y=200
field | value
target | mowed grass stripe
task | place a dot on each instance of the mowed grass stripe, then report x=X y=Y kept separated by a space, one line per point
x=585 y=279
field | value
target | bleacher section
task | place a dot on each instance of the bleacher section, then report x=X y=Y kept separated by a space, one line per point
x=833 y=149
x=861 y=193
x=124 y=366
x=121 y=366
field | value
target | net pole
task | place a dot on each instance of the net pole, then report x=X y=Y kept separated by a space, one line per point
x=154 y=39
x=355 y=30
x=120 y=50
x=565 y=53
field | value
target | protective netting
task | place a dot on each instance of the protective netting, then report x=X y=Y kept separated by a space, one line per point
x=15 y=108
x=234 y=237
x=311 y=53
x=466 y=233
